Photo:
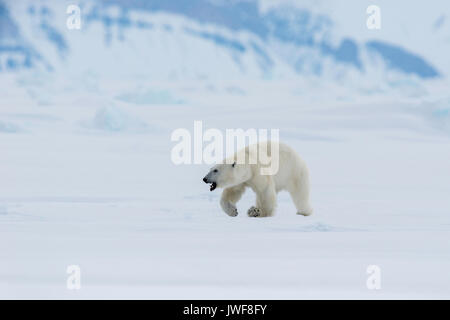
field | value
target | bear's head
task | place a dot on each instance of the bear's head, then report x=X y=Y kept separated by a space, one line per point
x=227 y=175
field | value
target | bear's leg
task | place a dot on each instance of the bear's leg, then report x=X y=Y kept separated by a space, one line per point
x=266 y=201
x=230 y=196
x=300 y=196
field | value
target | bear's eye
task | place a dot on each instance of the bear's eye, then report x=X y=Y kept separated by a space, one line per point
x=215 y=170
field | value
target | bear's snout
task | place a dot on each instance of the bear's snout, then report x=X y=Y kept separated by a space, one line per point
x=213 y=184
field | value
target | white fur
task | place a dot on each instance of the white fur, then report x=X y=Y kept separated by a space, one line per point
x=292 y=175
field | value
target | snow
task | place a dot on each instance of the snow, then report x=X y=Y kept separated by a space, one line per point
x=115 y=119
x=140 y=227
x=8 y=127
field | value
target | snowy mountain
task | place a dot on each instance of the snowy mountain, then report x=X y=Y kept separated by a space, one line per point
x=200 y=39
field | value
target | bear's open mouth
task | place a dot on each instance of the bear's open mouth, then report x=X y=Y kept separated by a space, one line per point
x=213 y=186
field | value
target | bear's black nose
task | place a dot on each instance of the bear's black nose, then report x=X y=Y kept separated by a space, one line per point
x=205 y=180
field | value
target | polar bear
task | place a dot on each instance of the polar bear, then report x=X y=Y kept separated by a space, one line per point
x=238 y=172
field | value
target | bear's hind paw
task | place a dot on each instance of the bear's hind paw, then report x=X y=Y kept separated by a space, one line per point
x=254 y=212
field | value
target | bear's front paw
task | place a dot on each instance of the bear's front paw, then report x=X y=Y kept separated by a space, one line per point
x=254 y=212
x=230 y=210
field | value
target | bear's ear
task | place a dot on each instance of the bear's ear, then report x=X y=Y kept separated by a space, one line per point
x=234 y=163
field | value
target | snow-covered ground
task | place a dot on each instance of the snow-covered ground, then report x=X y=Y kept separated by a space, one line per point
x=91 y=183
